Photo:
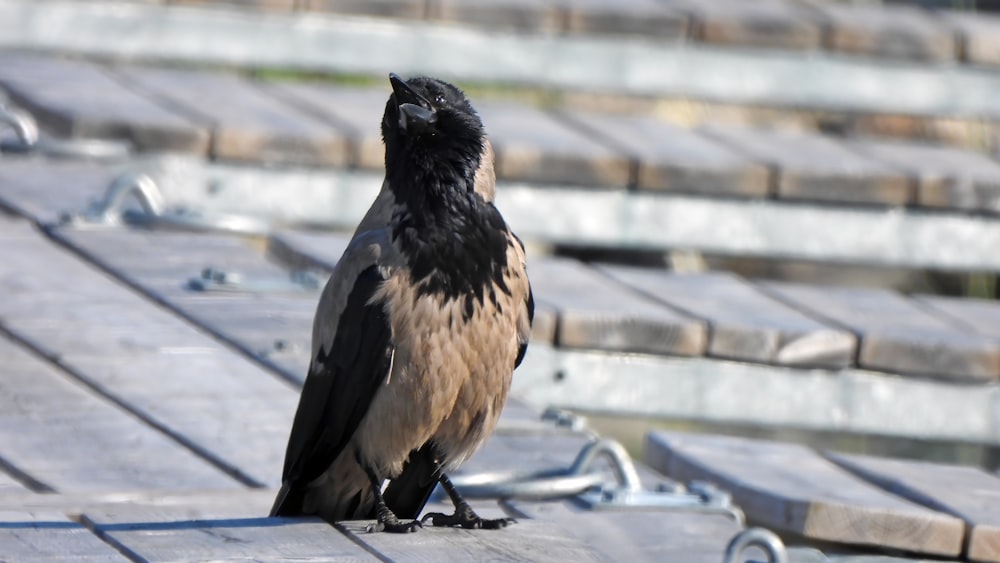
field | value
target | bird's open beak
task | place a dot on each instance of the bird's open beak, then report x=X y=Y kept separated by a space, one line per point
x=415 y=113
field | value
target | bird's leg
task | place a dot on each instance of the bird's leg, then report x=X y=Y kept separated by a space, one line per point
x=464 y=516
x=386 y=520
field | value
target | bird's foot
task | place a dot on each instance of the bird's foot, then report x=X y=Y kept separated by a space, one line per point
x=394 y=526
x=466 y=518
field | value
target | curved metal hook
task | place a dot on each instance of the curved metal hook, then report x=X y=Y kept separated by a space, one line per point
x=759 y=537
x=108 y=211
x=23 y=124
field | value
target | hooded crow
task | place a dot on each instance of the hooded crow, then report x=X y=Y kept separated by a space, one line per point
x=418 y=331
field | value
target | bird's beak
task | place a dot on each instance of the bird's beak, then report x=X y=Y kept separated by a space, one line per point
x=415 y=113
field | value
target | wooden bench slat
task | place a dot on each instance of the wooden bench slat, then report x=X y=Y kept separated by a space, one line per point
x=50 y=536
x=978 y=31
x=767 y=23
x=72 y=440
x=220 y=529
x=792 y=489
x=897 y=334
x=532 y=145
x=966 y=492
x=356 y=111
x=947 y=177
x=80 y=99
x=246 y=123
x=745 y=323
x=627 y=17
x=981 y=315
x=596 y=313
x=43 y=190
x=510 y=15
x=894 y=31
x=158 y=365
x=677 y=159
x=412 y=9
x=815 y=167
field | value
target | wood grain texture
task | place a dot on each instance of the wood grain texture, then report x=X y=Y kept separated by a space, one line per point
x=220 y=531
x=533 y=146
x=638 y=535
x=246 y=123
x=792 y=489
x=894 y=31
x=596 y=313
x=767 y=23
x=80 y=99
x=160 y=366
x=356 y=112
x=626 y=17
x=897 y=334
x=53 y=427
x=966 y=492
x=676 y=159
x=818 y=168
x=745 y=324
x=50 y=536
x=947 y=177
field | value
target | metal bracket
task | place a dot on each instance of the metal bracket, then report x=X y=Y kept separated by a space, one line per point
x=28 y=140
x=591 y=488
x=108 y=211
x=758 y=537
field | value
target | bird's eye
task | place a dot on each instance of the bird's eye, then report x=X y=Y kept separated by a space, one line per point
x=439 y=100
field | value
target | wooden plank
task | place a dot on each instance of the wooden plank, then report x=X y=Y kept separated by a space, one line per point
x=533 y=146
x=357 y=112
x=159 y=366
x=767 y=23
x=814 y=167
x=673 y=158
x=980 y=315
x=246 y=123
x=53 y=91
x=966 y=492
x=222 y=530
x=411 y=9
x=948 y=177
x=626 y=17
x=897 y=334
x=745 y=324
x=978 y=34
x=597 y=313
x=791 y=489
x=52 y=427
x=512 y=15
x=279 y=5
x=50 y=536
x=903 y=32
x=639 y=535
x=528 y=540
x=44 y=190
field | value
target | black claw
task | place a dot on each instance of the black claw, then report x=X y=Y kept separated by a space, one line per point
x=466 y=519
x=395 y=527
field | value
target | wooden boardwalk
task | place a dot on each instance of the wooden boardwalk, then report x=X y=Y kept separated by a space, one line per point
x=150 y=374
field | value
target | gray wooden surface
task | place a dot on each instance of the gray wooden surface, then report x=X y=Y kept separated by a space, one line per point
x=904 y=32
x=897 y=334
x=814 y=167
x=966 y=492
x=533 y=146
x=745 y=323
x=673 y=158
x=768 y=23
x=792 y=489
x=50 y=88
x=246 y=123
x=50 y=536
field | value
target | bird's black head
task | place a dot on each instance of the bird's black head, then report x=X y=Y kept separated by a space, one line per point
x=432 y=135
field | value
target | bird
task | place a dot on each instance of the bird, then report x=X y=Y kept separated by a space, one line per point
x=417 y=332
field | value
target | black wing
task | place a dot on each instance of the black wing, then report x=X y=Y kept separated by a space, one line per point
x=342 y=380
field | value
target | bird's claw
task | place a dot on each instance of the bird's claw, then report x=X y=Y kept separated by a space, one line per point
x=394 y=527
x=468 y=521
